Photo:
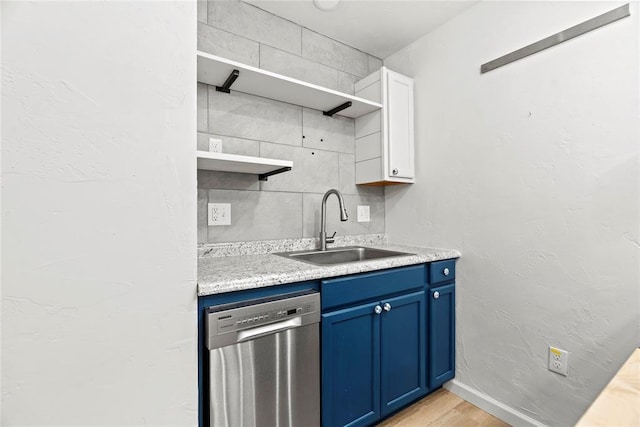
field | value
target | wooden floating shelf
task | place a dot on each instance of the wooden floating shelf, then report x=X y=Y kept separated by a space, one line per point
x=223 y=162
x=216 y=71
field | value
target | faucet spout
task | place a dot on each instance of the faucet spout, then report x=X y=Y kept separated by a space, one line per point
x=323 y=217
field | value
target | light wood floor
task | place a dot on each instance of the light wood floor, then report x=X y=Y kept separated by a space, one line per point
x=442 y=408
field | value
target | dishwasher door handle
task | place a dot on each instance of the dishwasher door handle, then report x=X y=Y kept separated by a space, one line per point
x=272 y=328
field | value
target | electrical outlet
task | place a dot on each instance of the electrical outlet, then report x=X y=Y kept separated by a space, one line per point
x=219 y=213
x=558 y=361
x=215 y=145
x=363 y=214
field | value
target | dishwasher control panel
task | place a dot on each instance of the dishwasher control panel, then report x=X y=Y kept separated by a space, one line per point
x=225 y=322
x=230 y=322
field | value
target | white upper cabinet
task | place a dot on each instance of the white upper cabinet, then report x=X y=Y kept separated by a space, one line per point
x=384 y=138
x=399 y=114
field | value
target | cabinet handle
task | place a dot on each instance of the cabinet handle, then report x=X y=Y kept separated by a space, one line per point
x=377 y=309
x=436 y=295
x=386 y=306
x=395 y=171
x=445 y=271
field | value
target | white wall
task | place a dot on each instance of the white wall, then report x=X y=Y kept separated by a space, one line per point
x=98 y=213
x=1 y=186
x=531 y=171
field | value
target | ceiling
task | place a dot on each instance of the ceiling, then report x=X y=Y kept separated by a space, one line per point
x=378 y=27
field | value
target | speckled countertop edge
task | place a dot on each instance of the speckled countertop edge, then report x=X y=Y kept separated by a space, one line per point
x=283 y=245
x=234 y=273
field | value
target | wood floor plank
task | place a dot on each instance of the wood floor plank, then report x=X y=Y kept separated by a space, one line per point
x=445 y=409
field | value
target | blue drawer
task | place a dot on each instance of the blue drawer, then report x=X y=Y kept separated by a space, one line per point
x=362 y=287
x=442 y=271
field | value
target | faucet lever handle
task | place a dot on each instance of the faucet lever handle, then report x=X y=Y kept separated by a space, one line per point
x=331 y=239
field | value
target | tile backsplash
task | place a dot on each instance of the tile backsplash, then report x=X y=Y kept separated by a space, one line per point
x=321 y=148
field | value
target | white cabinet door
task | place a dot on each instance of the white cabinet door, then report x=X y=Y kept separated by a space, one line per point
x=399 y=110
x=384 y=140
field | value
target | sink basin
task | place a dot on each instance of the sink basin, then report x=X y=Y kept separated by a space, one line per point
x=340 y=255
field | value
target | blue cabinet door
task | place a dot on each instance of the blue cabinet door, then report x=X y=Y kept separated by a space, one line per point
x=442 y=328
x=351 y=366
x=402 y=350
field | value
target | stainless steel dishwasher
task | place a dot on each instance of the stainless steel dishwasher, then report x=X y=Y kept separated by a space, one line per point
x=264 y=362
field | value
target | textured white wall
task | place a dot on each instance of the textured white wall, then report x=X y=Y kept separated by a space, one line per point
x=532 y=171
x=98 y=213
x=1 y=186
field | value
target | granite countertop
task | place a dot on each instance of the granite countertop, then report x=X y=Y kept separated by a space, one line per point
x=219 y=274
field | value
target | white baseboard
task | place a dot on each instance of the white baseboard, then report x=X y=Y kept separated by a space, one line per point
x=490 y=405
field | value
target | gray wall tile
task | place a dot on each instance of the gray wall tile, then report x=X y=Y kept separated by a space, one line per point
x=327 y=133
x=202 y=11
x=249 y=219
x=227 y=45
x=252 y=117
x=203 y=141
x=227 y=181
x=294 y=66
x=348 y=179
x=230 y=145
x=346 y=82
x=255 y=126
x=312 y=204
x=347 y=174
x=202 y=117
x=253 y=23
x=202 y=216
x=374 y=63
x=313 y=170
x=327 y=51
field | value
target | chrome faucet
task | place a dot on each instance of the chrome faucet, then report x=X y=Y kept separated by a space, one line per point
x=323 y=218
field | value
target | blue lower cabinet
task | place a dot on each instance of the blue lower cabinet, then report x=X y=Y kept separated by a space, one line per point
x=402 y=350
x=351 y=366
x=388 y=338
x=442 y=328
x=373 y=359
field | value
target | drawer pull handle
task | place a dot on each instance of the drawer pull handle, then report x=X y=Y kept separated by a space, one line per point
x=436 y=295
x=445 y=271
x=377 y=309
x=386 y=306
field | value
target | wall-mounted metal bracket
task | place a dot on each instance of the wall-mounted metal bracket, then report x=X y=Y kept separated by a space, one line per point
x=227 y=84
x=265 y=176
x=337 y=109
x=561 y=37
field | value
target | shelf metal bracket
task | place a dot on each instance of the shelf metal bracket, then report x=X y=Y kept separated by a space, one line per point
x=227 y=84
x=337 y=109
x=265 y=176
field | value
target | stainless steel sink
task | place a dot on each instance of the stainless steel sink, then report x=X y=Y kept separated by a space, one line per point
x=340 y=255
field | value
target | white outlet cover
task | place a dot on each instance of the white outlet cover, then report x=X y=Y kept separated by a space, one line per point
x=218 y=213
x=215 y=145
x=558 y=361
x=364 y=214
